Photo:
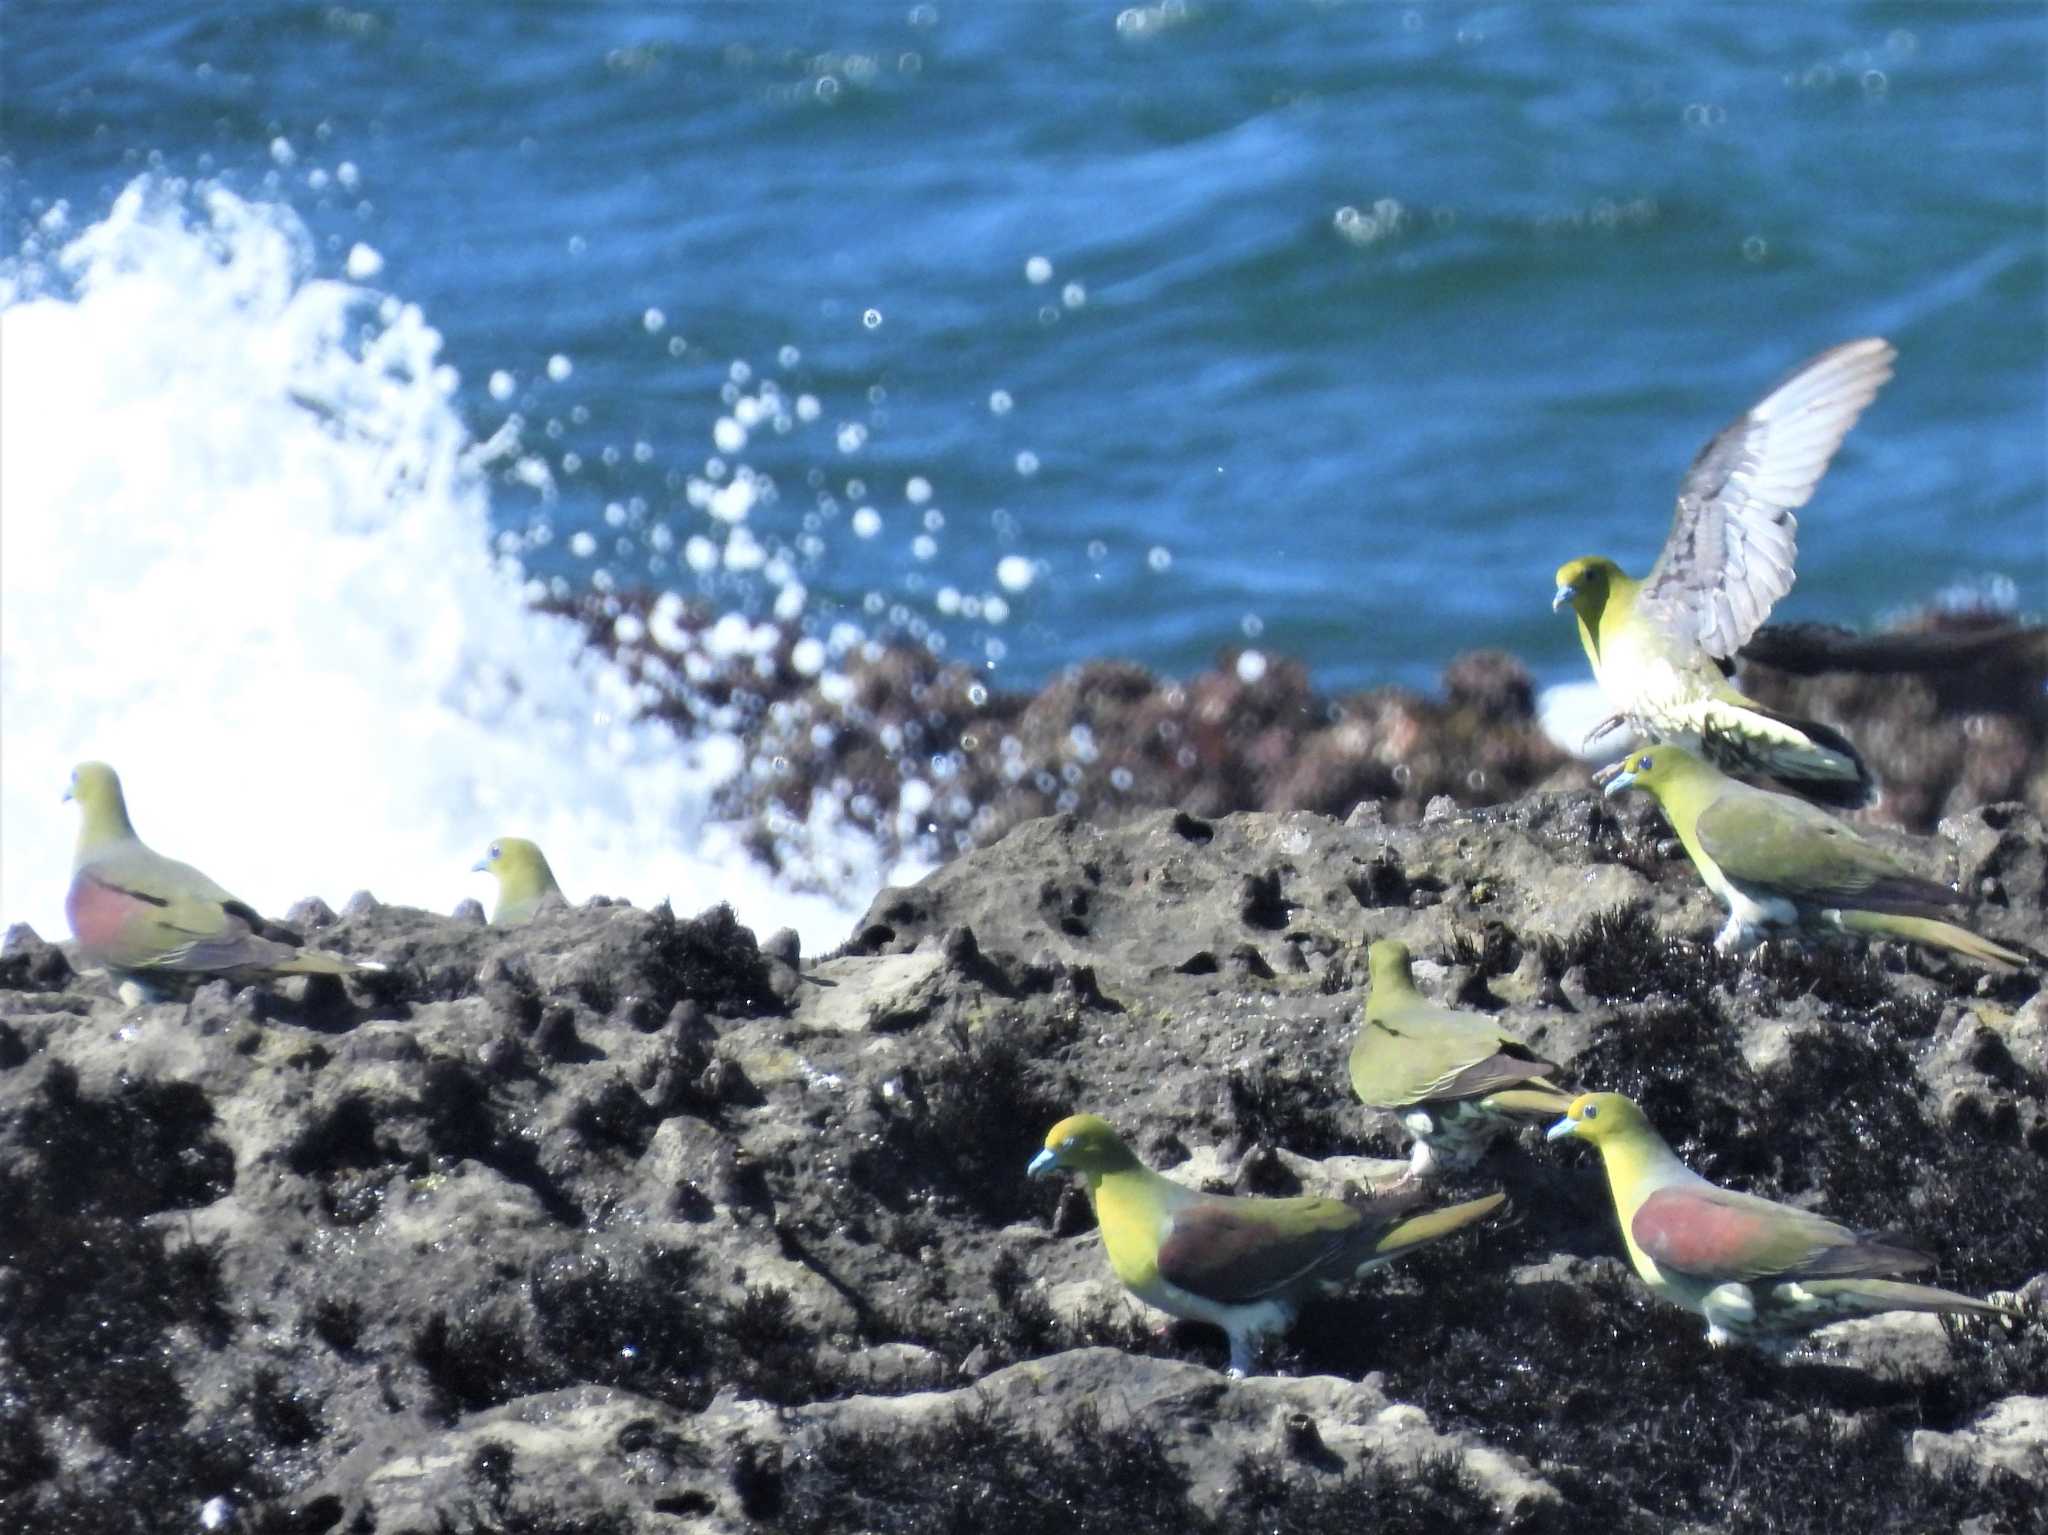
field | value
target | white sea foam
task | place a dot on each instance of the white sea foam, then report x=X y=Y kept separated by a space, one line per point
x=245 y=557
x=1568 y=710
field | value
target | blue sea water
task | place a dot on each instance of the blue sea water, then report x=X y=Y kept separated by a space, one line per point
x=1041 y=331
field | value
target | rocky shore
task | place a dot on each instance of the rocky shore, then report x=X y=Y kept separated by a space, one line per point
x=624 y=1221
x=1950 y=707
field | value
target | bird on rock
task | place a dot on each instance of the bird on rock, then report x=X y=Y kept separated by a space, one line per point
x=1760 y=1272
x=1244 y=1265
x=1454 y=1079
x=158 y=923
x=1663 y=647
x=525 y=882
x=1780 y=864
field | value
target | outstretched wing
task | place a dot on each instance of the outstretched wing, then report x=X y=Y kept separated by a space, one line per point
x=1732 y=544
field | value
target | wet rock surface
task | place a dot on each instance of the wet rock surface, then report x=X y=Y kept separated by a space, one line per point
x=626 y=1222
x=1950 y=707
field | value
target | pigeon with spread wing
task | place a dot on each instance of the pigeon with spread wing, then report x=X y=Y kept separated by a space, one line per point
x=1664 y=647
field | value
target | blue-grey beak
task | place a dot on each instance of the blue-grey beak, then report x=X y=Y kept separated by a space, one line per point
x=1564 y=596
x=67 y=794
x=1617 y=783
x=1045 y=1162
x=1564 y=1127
x=481 y=866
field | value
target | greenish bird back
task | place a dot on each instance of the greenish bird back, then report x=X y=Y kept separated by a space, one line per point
x=1774 y=842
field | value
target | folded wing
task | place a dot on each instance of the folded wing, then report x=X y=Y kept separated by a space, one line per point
x=1719 y=1235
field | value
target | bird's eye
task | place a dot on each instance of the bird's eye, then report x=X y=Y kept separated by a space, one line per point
x=1644 y=765
x=495 y=850
x=1070 y=1142
x=1590 y=1111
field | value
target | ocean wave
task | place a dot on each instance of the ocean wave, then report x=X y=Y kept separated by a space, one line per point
x=248 y=559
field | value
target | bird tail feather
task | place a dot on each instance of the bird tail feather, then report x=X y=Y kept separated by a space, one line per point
x=1874 y=1295
x=1531 y=1100
x=1817 y=761
x=314 y=962
x=1941 y=935
x=1431 y=1225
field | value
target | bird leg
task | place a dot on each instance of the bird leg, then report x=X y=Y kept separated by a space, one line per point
x=1423 y=1164
x=1735 y=937
x=1608 y=726
x=1244 y=1354
x=1731 y=1313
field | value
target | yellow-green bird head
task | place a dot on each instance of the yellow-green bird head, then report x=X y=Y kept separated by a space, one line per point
x=1655 y=768
x=1584 y=585
x=524 y=878
x=1082 y=1143
x=1598 y=1117
x=97 y=790
x=1390 y=965
x=93 y=784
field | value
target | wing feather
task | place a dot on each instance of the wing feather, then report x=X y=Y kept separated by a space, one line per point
x=1236 y=1251
x=1720 y=1235
x=1775 y=842
x=1733 y=541
x=1417 y=1053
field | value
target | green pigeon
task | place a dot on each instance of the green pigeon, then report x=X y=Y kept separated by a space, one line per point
x=525 y=882
x=1454 y=1079
x=1663 y=647
x=156 y=922
x=1780 y=864
x=1244 y=1265
x=1760 y=1272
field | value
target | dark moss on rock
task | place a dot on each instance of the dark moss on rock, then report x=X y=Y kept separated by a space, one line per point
x=615 y=1221
x=971 y=1472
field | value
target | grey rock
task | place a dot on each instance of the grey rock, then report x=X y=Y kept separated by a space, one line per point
x=310 y=914
x=619 y=1215
x=2011 y=1436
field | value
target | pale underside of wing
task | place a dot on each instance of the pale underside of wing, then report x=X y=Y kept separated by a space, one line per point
x=1730 y=553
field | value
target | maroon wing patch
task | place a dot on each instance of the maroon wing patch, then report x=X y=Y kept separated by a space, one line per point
x=1719 y=1234
x=124 y=927
x=1221 y=1254
x=100 y=913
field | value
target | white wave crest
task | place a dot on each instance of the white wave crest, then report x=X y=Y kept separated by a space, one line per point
x=245 y=557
